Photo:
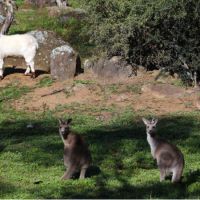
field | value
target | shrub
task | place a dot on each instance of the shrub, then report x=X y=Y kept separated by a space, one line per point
x=153 y=33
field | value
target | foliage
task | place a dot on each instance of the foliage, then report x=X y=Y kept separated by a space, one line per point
x=152 y=33
x=45 y=82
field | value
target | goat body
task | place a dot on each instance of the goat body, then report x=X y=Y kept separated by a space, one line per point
x=23 y=45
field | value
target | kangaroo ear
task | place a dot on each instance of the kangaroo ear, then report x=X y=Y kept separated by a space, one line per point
x=155 y=121
x=145 y=121
x=60 y=121
x=69 y=121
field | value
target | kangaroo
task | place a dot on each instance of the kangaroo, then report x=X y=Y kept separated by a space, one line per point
x=76 y=152
x=169 y=158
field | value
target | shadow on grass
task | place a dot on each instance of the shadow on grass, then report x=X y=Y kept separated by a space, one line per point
x=154 y=189
x=6 y=188
x=109 y=145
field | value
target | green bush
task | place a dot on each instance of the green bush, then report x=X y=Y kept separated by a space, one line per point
x=153 y=33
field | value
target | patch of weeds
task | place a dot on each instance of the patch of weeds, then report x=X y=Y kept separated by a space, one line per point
x=188 y=104
x=136 y=88
x=19 y=2
x=45 y=82
x=13 y=92
x=85 y=82
x=114 y=88
x=178 y=82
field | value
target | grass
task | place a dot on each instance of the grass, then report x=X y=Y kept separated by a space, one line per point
x=12 y=91
x=45 y=82
x=31 y=159
x=72 y=30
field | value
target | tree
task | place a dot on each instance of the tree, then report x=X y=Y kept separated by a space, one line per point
x=62 y=3
x=9 y=4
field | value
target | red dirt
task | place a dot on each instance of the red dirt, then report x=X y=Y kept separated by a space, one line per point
x=86 y=90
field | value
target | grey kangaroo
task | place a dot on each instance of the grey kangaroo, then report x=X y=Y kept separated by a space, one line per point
x=169 y=158
x=76 y=153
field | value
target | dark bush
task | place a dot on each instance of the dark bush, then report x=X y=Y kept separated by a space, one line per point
x=153 y=33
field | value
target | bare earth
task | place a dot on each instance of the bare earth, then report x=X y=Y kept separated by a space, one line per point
x=87 y=90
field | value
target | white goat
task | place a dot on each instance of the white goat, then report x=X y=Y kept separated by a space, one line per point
x=23 y=45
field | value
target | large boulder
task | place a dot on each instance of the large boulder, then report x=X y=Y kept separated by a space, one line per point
x=164 y=90
x=66 y=13
x=115 y=68
x=47 y=42
x=41 y=3
x=65 y=63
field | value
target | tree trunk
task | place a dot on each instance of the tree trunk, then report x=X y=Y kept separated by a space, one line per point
x=62 y=3
x=9 y=16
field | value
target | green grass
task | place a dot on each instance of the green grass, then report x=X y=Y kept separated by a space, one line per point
x=45 y=82
x=73 y=31
x=12 y=91
x=31 y=159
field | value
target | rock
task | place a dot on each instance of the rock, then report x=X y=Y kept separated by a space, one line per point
x=41 y=3
x=66 y=13
x=41 y=36
x=47 y=42
x=115 y=68
x=88 y=64
x=164 y=90
x=78 y=87
x=141 y=70
x=122 y=97
x=64 y=63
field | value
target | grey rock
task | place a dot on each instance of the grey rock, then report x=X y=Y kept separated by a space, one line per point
x=115 y=68
x=64 y=14
x=41 y=36
x=88 y=64
x=64 y=63
x=164 y=90
x=41 y=3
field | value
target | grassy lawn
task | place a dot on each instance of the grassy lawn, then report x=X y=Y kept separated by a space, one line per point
x=31 y=159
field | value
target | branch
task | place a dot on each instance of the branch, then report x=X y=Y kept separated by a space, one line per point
x=9 y=16
x=54 y=92
x=184 y=63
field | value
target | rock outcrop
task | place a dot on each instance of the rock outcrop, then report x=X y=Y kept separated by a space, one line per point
x=65 y=63
x=115 y=68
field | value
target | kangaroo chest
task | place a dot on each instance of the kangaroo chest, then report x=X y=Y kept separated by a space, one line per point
x=153 y=145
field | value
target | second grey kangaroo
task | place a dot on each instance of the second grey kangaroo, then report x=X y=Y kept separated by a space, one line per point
x=76 y=153
x=169 y=158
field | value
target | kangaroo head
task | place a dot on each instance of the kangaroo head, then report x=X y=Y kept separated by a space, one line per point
x=150 y=126
x=64 y=126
